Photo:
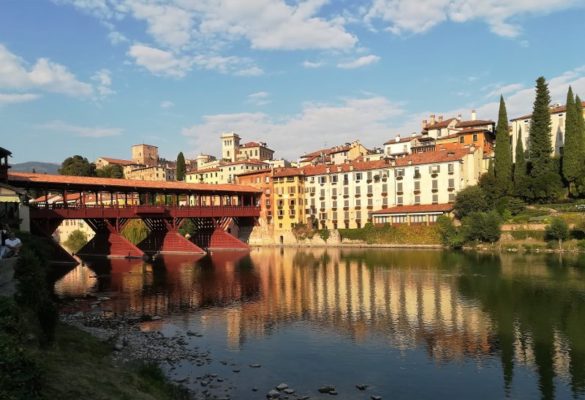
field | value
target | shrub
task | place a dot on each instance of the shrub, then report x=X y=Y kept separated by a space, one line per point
x=482 y=227
x=450 y=235
x=470 y=200
x=76 y=240
x=324 y=234
x=303 y=231
x=557 y=230
x=188 y=227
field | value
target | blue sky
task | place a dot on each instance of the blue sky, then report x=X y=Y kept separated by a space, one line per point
x=93 y=77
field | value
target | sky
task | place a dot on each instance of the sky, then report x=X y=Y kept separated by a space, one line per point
x=94 y=77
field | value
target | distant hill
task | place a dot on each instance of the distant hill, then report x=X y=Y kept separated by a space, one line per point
x=37 y=166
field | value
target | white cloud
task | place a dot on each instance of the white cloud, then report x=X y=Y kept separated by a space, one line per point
x=103 y=79
x=359 y=62
x=312 y=64
x=497 y=90
x=117 y=38
x=158 y=61
x=44 y=75
x=82 y=131
x=407 y=16
x=166 y=104
x=259 y=98
x=14 y=98
x=316 y=125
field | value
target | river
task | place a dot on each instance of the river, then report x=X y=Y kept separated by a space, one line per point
x=409 y=324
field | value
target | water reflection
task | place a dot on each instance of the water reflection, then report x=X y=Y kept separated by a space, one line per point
x=526 y=311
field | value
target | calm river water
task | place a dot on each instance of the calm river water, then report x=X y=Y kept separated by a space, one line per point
x=410 y=324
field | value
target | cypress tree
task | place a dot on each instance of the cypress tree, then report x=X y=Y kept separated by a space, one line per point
x=181 y=168
x=544 y=180
x=503 y=153
x=581 y=141
x=520 y=167
x=572 y=148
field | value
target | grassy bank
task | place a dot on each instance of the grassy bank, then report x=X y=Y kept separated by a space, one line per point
x=398 y=234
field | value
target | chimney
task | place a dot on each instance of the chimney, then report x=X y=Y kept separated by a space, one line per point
x=440 y=119
x=432 y=119
x=424 y=124
x=473 y=115
x=397 y=138
x=459 y=117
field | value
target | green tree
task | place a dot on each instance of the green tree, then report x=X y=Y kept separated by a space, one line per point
x=572 y=154
x=581 y=138
x=482 y=227
x=503 y=152
x=450 y=235
x=76 y=240
x=520 y=168
x=487 y=183
x=469 y=200
x=181 y=168
x=135 y=231
x=111 y=171
x=188 y=227
x=557 y=230
x=77 y=166
x=544 y=180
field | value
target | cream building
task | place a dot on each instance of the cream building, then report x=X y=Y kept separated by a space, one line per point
x=334 y=155
x=224 y=172
x=233 y=150
x=145 y=154
x=152 y=173
x=521 y=126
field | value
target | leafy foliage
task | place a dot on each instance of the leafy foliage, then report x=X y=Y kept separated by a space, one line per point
x=450 y=235
x=77 y=166
x=572 y=155
x=110 y=171
x=482 y=227
x=76 y=240
x=181 y=168
x=135 y=231
x=469 y=200
x=188 y=227
x=520 y=168
x=557 y=230
x=503 y=153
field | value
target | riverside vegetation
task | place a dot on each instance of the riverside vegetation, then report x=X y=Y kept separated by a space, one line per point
x=45 y=359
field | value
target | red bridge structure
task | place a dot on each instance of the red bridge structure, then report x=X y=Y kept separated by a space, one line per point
x=215 y=210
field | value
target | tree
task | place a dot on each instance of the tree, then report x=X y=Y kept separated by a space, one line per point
x=469 y=200
x=110 y=171
x=482 y=227
x=572 y=154
x=503 y=153
x=544 y=181
x=450 y=235
x=135 y=231
x=520 y=168
x=557 y=230
x=581 y=138
x=188 y=227
x=76 y=240
x=487 y=183
x=77 y=166
x=181 y=169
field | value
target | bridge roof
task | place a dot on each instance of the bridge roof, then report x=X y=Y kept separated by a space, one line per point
x=84 y=183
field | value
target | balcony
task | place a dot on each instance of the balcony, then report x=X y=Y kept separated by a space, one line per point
x=370 y=194
x=434 y=190
x=451 y=188
x=399 y=177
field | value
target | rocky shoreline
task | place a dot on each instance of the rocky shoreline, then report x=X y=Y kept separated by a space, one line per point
x=141 y=338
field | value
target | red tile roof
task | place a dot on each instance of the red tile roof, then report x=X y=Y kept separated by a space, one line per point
x=471 y=123
x=76 y=182
x=443 y=153
x=553 y=110
x=402 y=139
x=439 y=125
x=420 y=208
x=118 y=161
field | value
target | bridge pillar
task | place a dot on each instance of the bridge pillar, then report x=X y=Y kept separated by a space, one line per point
x=222 y=240
x=108 y=241
x=165 y=238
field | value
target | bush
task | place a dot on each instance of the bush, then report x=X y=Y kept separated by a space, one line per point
x=76 y=240
x=557 y=230
x=135 y=231
x=511 y=205
x=188 y=227
x=450 y=235
x=303 y=231
x=482 y=227
x=469 y=200
x=324 y=234
x=523 y=235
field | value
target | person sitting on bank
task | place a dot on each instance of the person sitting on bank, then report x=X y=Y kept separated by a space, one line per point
x=13 y=244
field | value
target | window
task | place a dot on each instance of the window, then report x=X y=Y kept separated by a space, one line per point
x=450 y=168
x=435 y=199
x=358 y=202
x=346 y=191
x=370 y=202
x=399 y=200
x=346 y=203
x=358 y=176
x=322 y=180
x=357 y=190
x=461 y=139
x=475 y=137
x=322 y=193
x=416 y=173
x=334 y=192
x=384 y=188
x=399 y=172
x=451 y=197
x=334 y=204
x=398 y=187
x=417 y=199
x=417 y=186
x=451 y=183
x=435 y=184
x=333 y=178
x=370 y=189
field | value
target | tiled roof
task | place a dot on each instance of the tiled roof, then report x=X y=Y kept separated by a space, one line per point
x=287 y=171
x=420 y=208
x=257 y=172
x=402 y=139
x=439 y=125
x=118 y=161
x=76 y=182
x=553 y=110
x=4 y=152
x=470 y=123
x=443 y=153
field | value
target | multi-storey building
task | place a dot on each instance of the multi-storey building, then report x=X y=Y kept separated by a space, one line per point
x=521 y=126
x=262 y=180
x=232 y=150
x=288 y=197
x=102 y=162
x=224 y=172
x=334 y=155
x=152 y=173
x=145 y=154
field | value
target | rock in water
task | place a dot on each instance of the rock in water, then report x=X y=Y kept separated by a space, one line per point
x=326 y=389
x=376 y=397
x=282 y=386
x=273 y=394
x=361 y=387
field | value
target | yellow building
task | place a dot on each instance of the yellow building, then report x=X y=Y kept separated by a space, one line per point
x=145 y=154
x=152 y=173
x=289 y=188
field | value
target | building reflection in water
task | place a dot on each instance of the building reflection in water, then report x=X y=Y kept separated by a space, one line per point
x=455 y=306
